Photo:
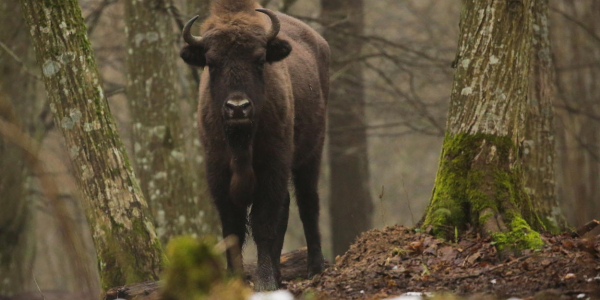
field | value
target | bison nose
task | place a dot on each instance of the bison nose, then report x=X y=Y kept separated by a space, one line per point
x=238 y=109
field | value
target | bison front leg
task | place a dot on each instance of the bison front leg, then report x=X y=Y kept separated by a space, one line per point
x=269 y=223
x=281 y=228
x=233 y=217
x=233 y=221
x=306 y=178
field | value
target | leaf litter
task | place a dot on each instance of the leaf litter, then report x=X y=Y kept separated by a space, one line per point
x=386 y=263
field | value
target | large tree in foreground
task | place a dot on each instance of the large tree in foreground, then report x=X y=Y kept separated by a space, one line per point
x=350 y=206
x=127 y=246
x=480 y=178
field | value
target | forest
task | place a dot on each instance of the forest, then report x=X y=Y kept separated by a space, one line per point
x=299 y=149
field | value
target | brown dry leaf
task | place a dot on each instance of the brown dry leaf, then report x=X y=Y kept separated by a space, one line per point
x=568 y=244
x=431 y=250
x=471 y=259
x=416 y=246
x=546 y=262
x=447 y=253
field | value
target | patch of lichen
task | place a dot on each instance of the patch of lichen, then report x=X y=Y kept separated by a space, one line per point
x=473 y=179
x=195 y=271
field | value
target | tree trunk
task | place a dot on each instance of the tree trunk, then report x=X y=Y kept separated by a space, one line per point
x=479 y=180
x=17 y=98
x=576 y=45
x=127 y=246
x=351 y=206
x=16 y=234
x=539 y=149
x=168 y=177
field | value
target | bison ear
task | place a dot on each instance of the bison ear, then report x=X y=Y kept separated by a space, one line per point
x=193 y=56
x=278 y=49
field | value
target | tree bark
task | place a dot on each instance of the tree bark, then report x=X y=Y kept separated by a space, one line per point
x=576 y=45
x=16 y=228
x=126 y=243
x=17 y=98
x=479 y=180
x=539 y=150
x=351 y=206
x=168 y=177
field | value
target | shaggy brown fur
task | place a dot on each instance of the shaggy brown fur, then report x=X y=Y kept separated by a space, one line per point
x=250 y=160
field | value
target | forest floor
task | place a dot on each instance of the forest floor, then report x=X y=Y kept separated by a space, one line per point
x=389 y=262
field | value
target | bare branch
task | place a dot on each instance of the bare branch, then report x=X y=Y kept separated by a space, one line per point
x=18 y=60
x=92 y=19
x=580 y=24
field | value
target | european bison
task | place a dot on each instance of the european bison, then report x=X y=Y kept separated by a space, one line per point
x=262 y=119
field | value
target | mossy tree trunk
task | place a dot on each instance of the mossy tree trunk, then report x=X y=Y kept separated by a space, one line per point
x=479 y=180
x=169 y=179
x=350 y=206
x=539 y=150
x=18 y=103
x=127 y=247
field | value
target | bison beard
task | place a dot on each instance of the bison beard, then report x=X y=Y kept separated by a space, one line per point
x=262 y=121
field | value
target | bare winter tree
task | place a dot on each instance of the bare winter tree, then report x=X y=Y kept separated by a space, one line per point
x=576 y=41
x=126 y=243
x=17 y=96
x=539 y=151
x=479 y=180
x=16 y=235
x=351 y=206
x=168 y=177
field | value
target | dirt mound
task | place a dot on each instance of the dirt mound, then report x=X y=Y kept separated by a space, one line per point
x=389 y=262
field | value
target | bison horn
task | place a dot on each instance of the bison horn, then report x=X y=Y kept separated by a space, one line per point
x=188 y=37
x=276 y=24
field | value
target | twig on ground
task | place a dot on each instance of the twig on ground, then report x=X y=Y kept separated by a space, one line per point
x=522 y=258
x=38 y=287
x=587 y=227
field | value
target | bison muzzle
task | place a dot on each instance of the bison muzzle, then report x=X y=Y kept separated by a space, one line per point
x=263 y=95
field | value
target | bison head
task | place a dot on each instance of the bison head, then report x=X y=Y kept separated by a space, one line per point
x=235 y=54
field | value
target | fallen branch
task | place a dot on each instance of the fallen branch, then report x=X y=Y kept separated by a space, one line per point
x=522 y=258
x=587 y=227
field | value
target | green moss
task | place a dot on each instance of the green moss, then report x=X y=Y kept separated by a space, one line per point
x=520 y=236
x=449 y=195
x=119 y=267
x=477 y=174
x=193 y=267
x=196 y=271
x=551 y=224
x=457 y=190
x=483 y=218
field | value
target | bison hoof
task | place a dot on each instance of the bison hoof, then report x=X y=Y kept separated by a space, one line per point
x=316 y=267
x=266 y=285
